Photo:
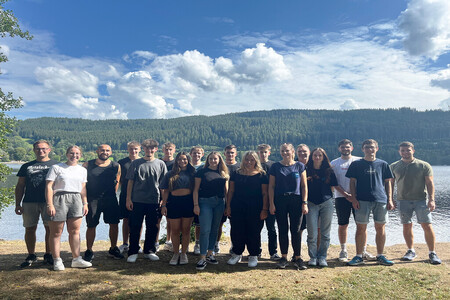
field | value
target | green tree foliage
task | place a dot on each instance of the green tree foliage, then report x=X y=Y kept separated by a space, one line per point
x=8 y=27
x=428 y=130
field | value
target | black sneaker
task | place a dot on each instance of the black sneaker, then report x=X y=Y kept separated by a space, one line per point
x=211 y=260
x=88 y=255
x=282 y=263
x=201 y=264
x=31 y=258
x=115 y=252
x=300 y=264
x=48 y=259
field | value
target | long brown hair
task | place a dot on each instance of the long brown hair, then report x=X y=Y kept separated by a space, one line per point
x=222 y=167
x=325 y=165
x=176 y=169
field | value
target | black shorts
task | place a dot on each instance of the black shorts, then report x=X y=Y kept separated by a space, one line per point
x=124 y=212
x=180 y=207
x=109 y=208
x=343 y=210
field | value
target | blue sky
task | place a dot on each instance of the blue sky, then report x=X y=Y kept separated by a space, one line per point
x=163 y=59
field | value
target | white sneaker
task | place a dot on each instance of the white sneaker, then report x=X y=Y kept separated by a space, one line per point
x=234 y=259
x=252 y=261
x=183 y=259
x=197 y=249
x=174 y=260
x=132 y=258
x=367 y=256
x=80 y=263
x=58 y=264
x=168 y=246
x=343 y=256
x=312 y=262
x=123 y=248
x=323 y=262
x=152 y=256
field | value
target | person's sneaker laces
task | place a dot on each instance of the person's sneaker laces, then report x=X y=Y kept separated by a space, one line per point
x=275 y=257
x=409 y=256
x=300 y=264
x=80 y=263
x=252 y=261
x=356 y=261
x=197 y=248
x=48 y=259
x=115 y=252
x=58 y=264
x=234 y=259
x=201 y=264
x=123 y=248
x=282 y=263
x=183 y=259
x=31 y=258
x=382 y=260
x=343 y=256
x=152 y=256
x=367 y=256
x=132 y=258
x=434 y=259
x=323 y=262
x=211 y=260
x=174 y=260
x=88 y=255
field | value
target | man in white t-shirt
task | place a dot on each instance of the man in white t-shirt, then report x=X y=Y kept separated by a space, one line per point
x=342 y=195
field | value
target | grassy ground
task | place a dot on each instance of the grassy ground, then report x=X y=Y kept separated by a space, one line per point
x=112 y=279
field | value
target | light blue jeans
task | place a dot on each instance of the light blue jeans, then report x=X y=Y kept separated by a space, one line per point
x=324 y=213
x=211 y=212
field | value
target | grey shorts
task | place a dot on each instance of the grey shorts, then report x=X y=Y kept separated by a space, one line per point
x=67 y=206
x=379 y=211
x=32 y=211
x=406 y=209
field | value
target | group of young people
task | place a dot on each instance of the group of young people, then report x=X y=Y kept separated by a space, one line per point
x=293 y=194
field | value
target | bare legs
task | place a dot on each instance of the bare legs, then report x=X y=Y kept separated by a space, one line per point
x=56 y=229
x=183 y=226
x=428 y=231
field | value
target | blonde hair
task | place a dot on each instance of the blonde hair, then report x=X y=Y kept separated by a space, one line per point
x=73 y=146
x=222 y=167
x=258 y=166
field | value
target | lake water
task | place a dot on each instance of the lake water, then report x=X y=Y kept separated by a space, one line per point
x=11 y=224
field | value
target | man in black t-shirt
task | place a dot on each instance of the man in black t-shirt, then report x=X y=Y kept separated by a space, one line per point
x=30 y=199
x=134 y=148
x=103 y=177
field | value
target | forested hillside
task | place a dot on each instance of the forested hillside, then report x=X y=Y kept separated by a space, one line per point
x=428 y=130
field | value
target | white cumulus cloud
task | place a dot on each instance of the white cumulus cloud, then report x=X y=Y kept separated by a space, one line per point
x=426 y=25
x=349 y=104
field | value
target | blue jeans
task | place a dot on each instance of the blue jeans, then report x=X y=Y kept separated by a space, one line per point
x=324 y=211
x=211 y=212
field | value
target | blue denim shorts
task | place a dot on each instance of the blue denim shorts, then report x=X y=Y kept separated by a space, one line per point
x=407 y=207
x=379 y=211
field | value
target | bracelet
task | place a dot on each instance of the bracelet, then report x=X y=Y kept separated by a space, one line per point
x=305 y=202
x=195 y=204
x=49 y=205
x=84 y=203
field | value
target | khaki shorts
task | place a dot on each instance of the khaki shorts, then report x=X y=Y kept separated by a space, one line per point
x=67 y=206
x=32 y=211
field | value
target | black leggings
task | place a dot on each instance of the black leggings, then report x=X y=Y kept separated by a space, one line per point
x=289 y=207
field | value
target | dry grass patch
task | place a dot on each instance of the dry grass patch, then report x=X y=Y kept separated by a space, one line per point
x=113 y=279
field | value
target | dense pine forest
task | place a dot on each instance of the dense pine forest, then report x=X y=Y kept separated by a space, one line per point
x=428 y=130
